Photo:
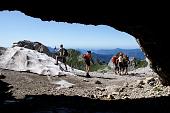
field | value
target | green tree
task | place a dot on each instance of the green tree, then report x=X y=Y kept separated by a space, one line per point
x=141 y=63
x=76 y=61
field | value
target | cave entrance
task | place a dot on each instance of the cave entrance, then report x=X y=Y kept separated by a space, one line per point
x=103 y=41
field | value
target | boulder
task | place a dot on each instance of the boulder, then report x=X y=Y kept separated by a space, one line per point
x=34 y=46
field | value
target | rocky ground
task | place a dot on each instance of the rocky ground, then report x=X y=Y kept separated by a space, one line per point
x=101 y=86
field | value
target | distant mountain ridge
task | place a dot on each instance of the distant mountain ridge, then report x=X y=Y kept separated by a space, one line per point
x=106 y=54
x=137 y=53
x=51 y=49
x=102 y=57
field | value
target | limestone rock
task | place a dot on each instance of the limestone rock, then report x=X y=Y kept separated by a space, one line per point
x=33 y=45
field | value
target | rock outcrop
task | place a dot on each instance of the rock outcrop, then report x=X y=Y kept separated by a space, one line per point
x=33 y=45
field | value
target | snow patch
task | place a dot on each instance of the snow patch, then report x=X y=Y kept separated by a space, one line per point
x=23 y=59
x=63 y=84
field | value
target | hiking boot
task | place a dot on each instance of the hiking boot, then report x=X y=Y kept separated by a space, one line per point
x=88 y=76
x=66 y=69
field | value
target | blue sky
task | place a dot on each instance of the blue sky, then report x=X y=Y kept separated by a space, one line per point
x=16 y=26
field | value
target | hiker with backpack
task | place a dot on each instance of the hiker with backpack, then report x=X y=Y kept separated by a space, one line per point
x=88 y=59
x=61 y=55
x=115 y=62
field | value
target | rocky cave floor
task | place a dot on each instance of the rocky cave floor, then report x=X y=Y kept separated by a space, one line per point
x=26 y=87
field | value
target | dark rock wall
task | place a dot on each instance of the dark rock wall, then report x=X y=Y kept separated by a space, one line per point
x=147 y=23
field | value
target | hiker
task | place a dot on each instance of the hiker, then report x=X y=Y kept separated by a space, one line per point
x=125 y=64
x=120 y=63
x=115 y=62
x=87 y=58
x=61 y=55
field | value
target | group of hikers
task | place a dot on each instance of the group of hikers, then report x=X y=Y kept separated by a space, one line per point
x=119 y=60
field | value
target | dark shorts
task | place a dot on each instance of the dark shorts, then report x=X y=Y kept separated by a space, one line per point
x=87 y=61
x=116 y=64
x=120 y=64
x=125 y=65
x=62 y=59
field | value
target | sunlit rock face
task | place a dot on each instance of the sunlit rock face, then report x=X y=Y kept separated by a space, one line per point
x=147 y=26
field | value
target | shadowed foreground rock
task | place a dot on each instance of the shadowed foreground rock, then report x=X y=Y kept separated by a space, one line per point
x=5 y=93
x=47 y=103
x=75 y=104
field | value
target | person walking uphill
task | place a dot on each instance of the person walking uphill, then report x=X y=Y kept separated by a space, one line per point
x=61 y=55
x=87 y=58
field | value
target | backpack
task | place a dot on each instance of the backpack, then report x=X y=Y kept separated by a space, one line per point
x=65 y=53
x=86 y=56
x=114 y=59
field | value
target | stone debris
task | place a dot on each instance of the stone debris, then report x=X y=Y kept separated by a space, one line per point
x=98 y=82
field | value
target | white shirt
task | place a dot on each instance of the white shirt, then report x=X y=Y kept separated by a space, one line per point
x=120 y=59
